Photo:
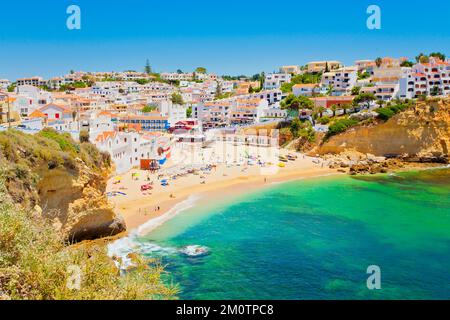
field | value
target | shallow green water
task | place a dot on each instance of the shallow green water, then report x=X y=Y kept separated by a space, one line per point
x=314 y=239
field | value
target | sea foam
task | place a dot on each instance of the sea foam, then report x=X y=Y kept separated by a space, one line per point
x=121 y=248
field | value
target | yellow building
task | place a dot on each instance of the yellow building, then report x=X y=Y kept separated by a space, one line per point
x=320 y=66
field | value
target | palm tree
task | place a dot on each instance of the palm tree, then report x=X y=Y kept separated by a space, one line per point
x=380 y=103
x=345 y=107
x=378 y=62
x=330 y=90
x=321 y=111
x=334 y=108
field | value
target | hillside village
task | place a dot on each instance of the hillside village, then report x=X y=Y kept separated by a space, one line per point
x=134 y=116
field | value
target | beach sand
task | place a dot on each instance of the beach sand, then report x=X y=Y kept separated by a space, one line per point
x=223 y=181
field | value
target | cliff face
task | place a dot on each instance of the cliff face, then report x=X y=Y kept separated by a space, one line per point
x=60 y=180
x=77 y=205
x=422 y=132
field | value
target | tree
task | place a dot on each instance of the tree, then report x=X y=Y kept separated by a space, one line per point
x=218 y=91
x=434 y=91
x=148 y=109
x=295 y=103
x=334 y=109
x=438 y=55
x=250 y=89
x=189 y=112
x=305 y=102
x=364 y=98
x=295 y=127
x=321 y=110
x=363 y=75
x=422 y=58
x=256 y=77
x=378 y=62
x=356 y=90
x=380 y=103
x=418 y=57
x=11 y=87
x=179 y=71
x=327 y=68
x=261 y=79
x=148 y=68
x=345 y=107
x=330 y=90
x=177 y=98
x=407 y=64
x=200 y=70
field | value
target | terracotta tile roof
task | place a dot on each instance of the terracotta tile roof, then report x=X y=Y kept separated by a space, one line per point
x=65 y=109
x=105 y=135
x=37 y=114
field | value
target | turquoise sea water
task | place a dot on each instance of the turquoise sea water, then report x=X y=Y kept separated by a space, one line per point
x=314 y=239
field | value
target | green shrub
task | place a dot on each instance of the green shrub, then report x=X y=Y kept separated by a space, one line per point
x=341 y=125
x=390 y=110
x=385 y=113
x=64 y=140
x=324 y=120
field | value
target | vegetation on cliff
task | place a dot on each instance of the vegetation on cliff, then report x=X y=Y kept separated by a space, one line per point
x=36 y=264
x=23 y=157
x=391 y=110
x=340 y=125
x=416 y=131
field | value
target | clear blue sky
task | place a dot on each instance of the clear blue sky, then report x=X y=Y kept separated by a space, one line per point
x=226 y=37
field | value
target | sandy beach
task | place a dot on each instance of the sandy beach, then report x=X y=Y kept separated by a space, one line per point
x=221 y=181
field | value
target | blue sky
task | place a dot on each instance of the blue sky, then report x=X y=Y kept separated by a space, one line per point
x=226 y=37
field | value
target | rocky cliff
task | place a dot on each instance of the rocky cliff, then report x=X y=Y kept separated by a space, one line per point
x=76 y=203
x=59 y=180
x=421 y=133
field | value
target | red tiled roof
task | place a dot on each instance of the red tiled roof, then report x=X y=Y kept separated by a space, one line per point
x=105 y=135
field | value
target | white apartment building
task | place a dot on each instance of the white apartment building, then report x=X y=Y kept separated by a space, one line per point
x=342 y=80
x=174 y=76
x=247 y=111
x=33 y=81
x=274 y=113
x=384 y=92
x=132 y=76
x=30 y=98
x=431 y=78
x=206 y=76
x=308 y=89
x=97 y=123
x=213 y=114
x=275 y=80
x=173 y=112
x=106 y=88
x=127 y=149
x=273 y=97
